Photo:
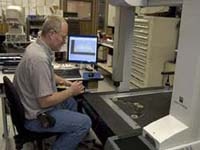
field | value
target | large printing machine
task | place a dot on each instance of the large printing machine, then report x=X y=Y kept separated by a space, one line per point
x=135 y=130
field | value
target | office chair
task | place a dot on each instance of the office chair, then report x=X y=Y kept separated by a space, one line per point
x=18 y=116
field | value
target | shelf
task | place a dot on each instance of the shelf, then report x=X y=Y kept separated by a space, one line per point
x=107 y=45
x=17 y=42
x=34 y=24
x=105 y=67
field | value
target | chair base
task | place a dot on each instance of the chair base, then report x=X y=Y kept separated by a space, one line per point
x=20 y=141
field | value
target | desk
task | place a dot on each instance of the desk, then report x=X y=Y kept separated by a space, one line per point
x=88 y=82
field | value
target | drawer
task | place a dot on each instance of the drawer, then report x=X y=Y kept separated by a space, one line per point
x=140 y=37
x=141 y=61
x=137 y=81
x=136 y=55
x=139 y=74
x=140 y=52
x=142 y=20
x=142 y=27
x=142 y=43
x=141 y=49
x=140 y=32
x=138 y=62
x=138 y=66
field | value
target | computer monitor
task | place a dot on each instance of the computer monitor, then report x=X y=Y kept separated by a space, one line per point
x=82 y=49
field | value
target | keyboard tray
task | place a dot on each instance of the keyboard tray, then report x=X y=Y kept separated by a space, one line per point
x=68 y=73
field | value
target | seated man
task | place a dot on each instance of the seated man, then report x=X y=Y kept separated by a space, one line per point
x=35 y=83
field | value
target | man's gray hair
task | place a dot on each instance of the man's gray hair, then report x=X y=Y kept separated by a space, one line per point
x=52 y=23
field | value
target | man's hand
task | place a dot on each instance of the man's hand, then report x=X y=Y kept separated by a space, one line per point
x=76 y=88
x=65 y=83
x=61 y=81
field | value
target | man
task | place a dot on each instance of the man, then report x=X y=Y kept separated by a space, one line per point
x=35 y=82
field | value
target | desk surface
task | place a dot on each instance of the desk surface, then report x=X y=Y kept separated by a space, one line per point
x=109 y=45
x=82 y=71
x=10 y=76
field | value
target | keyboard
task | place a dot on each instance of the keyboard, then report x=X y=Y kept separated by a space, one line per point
x=68 y=73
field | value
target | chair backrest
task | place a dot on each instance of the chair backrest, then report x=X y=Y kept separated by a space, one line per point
x=15 y=105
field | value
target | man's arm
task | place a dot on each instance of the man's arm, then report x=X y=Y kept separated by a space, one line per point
x=61 y=81
x=58 y=97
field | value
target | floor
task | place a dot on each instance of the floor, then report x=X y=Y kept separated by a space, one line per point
x=8 y=144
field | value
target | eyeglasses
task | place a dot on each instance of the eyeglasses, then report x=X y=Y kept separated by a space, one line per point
x=64 y=37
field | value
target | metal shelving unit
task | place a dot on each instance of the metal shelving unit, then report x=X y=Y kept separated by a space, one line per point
x=34 y=24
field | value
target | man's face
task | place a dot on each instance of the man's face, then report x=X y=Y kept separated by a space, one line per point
x=59 y=38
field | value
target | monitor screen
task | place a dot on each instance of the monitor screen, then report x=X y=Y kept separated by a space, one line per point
x=82 y=49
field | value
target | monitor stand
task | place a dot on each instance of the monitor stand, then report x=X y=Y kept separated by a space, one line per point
x=82 y=66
